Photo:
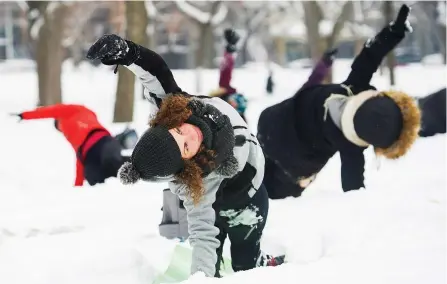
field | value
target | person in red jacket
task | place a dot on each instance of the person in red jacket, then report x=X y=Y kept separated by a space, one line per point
x=225 y=91
x=98 y=154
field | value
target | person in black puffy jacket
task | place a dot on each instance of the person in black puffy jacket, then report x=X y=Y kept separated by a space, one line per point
x=300 y=134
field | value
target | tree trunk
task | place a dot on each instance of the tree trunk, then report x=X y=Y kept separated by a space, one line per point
x=206 y=51
x=312 y=18
x=137 y=21
x=442 y=33
x=388 y=10
x=317 y=43
x=50 y=54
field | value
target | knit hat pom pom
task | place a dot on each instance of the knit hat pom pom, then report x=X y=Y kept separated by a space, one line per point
x=128 y=174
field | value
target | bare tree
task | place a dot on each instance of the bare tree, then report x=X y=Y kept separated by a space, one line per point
x=255 y=15
x=441 y=11
x=314 y=15
x=137 y=21
x=76 y=26
x=206 y=18
x=48 y=20
x=388 y=11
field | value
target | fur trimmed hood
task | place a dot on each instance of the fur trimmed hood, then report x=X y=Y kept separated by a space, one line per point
x=411 y=125
x=411 y=118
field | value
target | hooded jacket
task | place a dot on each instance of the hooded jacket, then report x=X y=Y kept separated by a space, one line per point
x=228 y=188
x=321 y=123
x=76 y=123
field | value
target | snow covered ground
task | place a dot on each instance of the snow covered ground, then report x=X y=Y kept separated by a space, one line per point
x=393 y=232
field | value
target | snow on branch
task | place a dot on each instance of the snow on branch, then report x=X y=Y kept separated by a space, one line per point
x=258 y=18
x=35 y=28
x=150 y=9
x=201 y=16
x=220 y=15
x=22 y=5
x=193 y=12
x=51 y=7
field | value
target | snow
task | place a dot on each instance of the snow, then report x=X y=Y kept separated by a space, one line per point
x=392 y=232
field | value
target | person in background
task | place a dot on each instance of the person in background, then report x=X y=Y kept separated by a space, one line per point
x=270 y=84
x=98 y=154
x=299 y=135
x=273 y=174
x=225 y=91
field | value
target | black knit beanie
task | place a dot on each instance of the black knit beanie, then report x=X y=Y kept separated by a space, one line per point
x=155 y=155
x=379 y=121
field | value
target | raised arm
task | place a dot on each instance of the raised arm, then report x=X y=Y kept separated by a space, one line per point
x=321 y=69
x=376 y=48
x=146 y=64
x=54 y=111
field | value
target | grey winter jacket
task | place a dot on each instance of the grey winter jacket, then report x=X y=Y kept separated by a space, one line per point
x=159 y=83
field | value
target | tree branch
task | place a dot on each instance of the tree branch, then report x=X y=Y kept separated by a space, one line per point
x=345 y=13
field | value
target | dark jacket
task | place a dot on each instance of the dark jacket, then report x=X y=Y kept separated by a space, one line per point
x=226 y=70
x=433 y=109
x=300 y=138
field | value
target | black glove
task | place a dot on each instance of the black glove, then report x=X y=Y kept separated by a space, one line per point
x=401 y=24
x=329 y=54
x=112 y=49
x=231 y=36
x=19 y=115
x=230 y=48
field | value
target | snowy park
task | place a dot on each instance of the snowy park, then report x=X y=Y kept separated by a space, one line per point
x=311 y=134
x=50 y=232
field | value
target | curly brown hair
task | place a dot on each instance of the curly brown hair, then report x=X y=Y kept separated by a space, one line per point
x=173 y=113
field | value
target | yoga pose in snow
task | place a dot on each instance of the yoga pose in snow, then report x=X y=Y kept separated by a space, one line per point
x=300 y=134
x=202 y=147
x=225 y=91
x=98 y=154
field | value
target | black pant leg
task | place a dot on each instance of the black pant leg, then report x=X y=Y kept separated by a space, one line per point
x=222 y=226
x=245 y=230
x=277 y=183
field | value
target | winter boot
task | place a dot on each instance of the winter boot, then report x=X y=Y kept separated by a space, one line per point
x=268 y=260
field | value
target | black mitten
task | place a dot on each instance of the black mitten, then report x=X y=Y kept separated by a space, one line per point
x=401 y=24
x=112 y=49
x=231 y=36
x=329 y=54
x=19 y=115
x=230 y=48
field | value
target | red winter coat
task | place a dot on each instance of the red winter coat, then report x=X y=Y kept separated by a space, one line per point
x=76 y=122
x=226 y=70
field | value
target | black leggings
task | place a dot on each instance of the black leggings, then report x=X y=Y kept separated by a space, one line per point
x=244 y=234
x=103 y=160
x=278 y=184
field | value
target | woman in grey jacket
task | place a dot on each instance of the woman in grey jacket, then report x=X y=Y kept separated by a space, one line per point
x=202 y=147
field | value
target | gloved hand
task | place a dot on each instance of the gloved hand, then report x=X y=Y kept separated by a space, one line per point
x=112 y=49
x=329 y=54
x=401 y=24
x=19 y=115
x=231 y=36
x=230 y=48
